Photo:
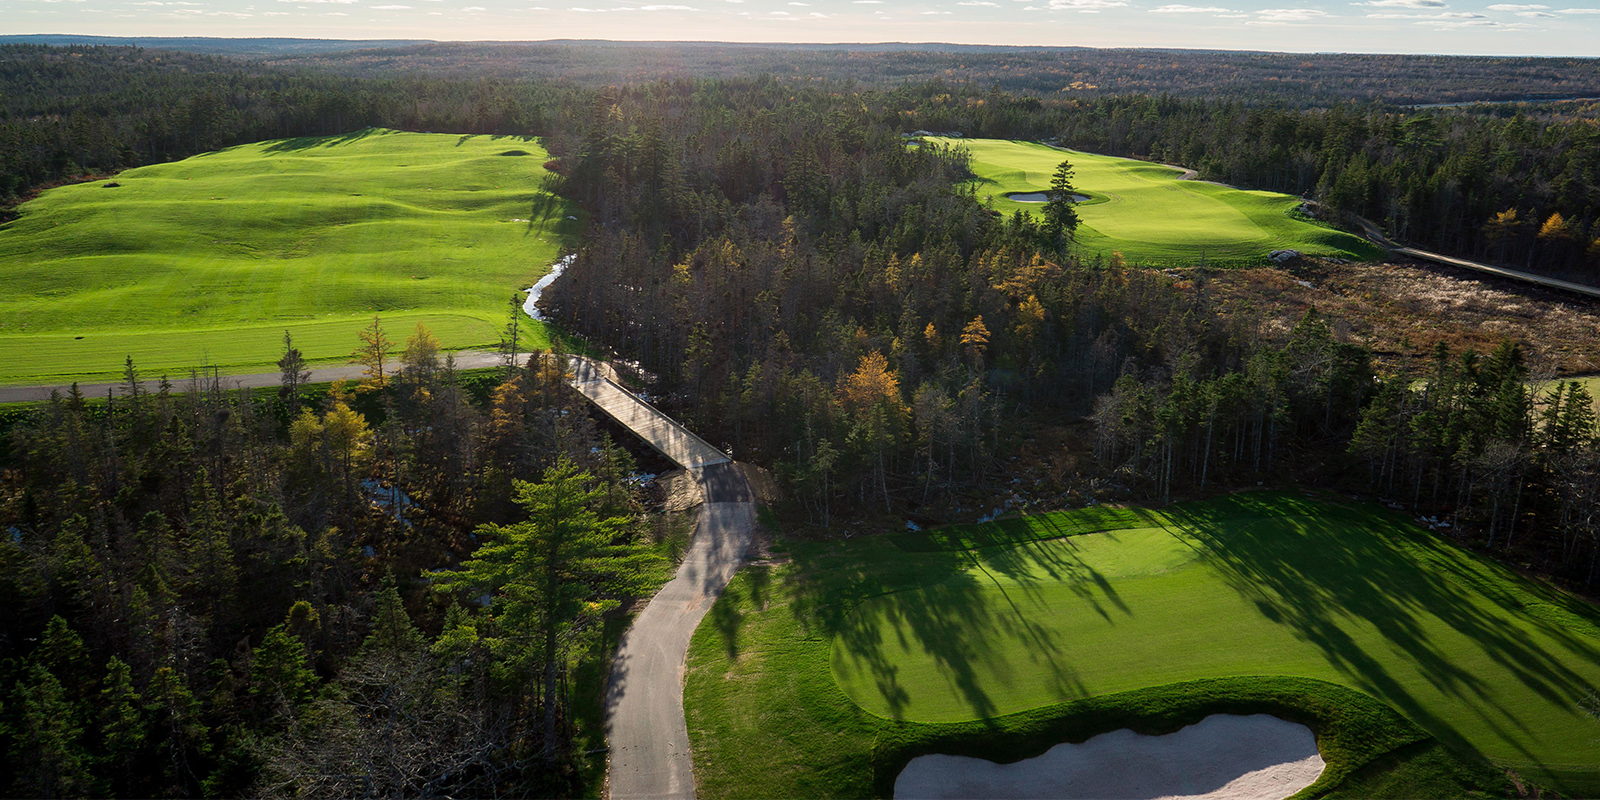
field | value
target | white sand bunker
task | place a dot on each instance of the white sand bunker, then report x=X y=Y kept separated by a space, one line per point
x=1041 y=197
x=1222 y=757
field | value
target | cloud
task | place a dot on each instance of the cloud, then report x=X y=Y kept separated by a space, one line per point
x=777 y=13
x=869 y=2
x=1291 y=14
x=1445 y=15
x=668 y=8
x=390 y=8
x=339 y=2
x=932 y=13
x=1483 y=23
x=1578 y=11
x=978 y=3
x=1084 y=5
x=1404 y=4
x=1181 y=9
x=1516 y=7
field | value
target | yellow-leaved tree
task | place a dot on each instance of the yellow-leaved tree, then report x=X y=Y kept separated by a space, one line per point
x=871 y=399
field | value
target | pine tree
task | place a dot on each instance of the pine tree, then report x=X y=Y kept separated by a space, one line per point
x=1060 y=217
x=553 y=575
x=293 y=374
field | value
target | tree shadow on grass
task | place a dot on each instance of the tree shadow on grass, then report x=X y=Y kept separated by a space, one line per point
x=938 y=594
x=1061 y=566
x=309 y=142
x=728 y=613
x=1321 y=571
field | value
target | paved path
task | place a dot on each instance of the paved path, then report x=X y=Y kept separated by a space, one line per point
x=659 y=430
x=466 y=359
x=1376 y=236
x=1550 y=283
x=644 y=699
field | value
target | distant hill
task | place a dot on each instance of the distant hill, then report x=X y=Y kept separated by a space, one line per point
x=1295 y=80
x=260 y=47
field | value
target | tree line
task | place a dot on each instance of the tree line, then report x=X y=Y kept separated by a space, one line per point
x=66 y=112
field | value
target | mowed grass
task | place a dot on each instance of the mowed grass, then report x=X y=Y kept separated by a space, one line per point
x=1142 y=210
x=1268 y=585
x=208 y=260
x=858 y=643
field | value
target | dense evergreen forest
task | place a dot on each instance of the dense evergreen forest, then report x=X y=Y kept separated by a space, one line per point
x=214 y=593
x=217 y=593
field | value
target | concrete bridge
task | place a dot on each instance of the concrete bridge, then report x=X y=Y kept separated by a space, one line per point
x=657 y=429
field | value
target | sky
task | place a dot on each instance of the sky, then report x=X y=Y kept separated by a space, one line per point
x=1477 y=27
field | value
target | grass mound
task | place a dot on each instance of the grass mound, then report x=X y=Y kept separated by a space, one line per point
x=1145 y=212
x=209 y=259
x=861 y=652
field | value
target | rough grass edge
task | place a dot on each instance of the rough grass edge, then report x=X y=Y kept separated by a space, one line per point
x=1352 y=728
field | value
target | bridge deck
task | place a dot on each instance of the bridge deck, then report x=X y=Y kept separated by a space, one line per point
x=660 y=431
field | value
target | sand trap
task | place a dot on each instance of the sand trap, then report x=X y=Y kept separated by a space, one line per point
x=1222 y=757
x=1041 y=197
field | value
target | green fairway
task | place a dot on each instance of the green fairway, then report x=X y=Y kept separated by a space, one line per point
x=1145 y=212
x=208 y=260
x=1258 y=585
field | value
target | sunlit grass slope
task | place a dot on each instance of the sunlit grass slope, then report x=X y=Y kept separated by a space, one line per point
x=1143 y=211
x=1011 y=618
x=209 y=259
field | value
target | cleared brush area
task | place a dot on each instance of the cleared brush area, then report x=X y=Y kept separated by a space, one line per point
x=1145 y=212
x=208 y=260
x=1404 y=312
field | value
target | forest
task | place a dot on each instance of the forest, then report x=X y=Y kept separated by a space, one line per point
x=830 y=302
x=1259 y=78
x=213 y=592
x=224 y=593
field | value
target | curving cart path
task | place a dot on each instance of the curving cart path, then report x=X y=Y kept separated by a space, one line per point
x=644 y=698
x=649 y=741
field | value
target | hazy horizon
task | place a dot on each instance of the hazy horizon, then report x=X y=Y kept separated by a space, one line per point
x=1442 y=27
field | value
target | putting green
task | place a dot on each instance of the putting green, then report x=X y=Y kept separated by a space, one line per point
x=1264 y=585
x=1145 y=212
x=209 y=259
